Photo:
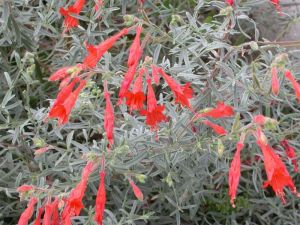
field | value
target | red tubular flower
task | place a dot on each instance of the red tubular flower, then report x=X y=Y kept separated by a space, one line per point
x=109 y=117
x=128 y=78
x=290 y=152
x=26 y=215
x=276 y=4
x=154 y=113
x=294 y=82
x=220 y=111
x=155 y=75
x=96 y=52
x=135 y=50
x=38 y=219
x=135 y=53
x=101 y=199
x=230 y=2
x=60 y=74
x=71 y=21
x=64 y=82
x=64 y=104
x=217 y=129
x=25 y=188
x=136 y=190
x=278 y=176
x=235 y=173
x=275 y=81
x=74 y=203
x=135 y=98
x=55 y=214
x=48 y=214
x=259 y=120
x=182 y=93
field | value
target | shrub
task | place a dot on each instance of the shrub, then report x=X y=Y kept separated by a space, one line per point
x=143 y=108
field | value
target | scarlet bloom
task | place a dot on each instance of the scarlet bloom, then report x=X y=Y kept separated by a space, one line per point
x=276 y=4
x=135 y=98
x=101 y=199
x=135 y=50
x=38 y=219
x=221 y=110
x=182 y=93
x=109 y=117
x=290 y=152
x=74 y=203
x=230 y=2
x=128 y=78
x=25 y=188
x=278 y=176
x=154 y=113
x=155 y=75
x=71 y=21
x=275 y=81
x=136 y=190
x=41 y=150
x=217 y=129
x=60 y=74
x=235 y=173
x=259 y=120
x=48 y=214
x=26 y=215
x=96 y=52
x=65 y=102
x=294 y=82
x=135 y=53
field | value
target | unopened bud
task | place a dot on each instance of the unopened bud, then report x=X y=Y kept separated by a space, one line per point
x=220 y=148
x=128 y=20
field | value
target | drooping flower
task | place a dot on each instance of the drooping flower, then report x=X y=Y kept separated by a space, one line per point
x=276 y=4
x=62 y=108
x=230 y=2
x=259 y=120
x=290 y=152
x=155 y=75
x=135 y=50
x=277 y=174
x=154 y=113
x=101 y=199
x=41 y=150
x=70 y=21
x=275 y=81
x=235 y=173
x=60 y=74
x=109 y=117
x=217 y=129
x=127 y=80
x=182 y=93
x=55 y=213
x=135 y=53
x=221 y=110
x=74 y=203
x=25 y=188
x=26 y=215
x=96 y=52
x=38 y=219
x=294 y=82
x=135 y=98
x=48 y=213
x=136 y=190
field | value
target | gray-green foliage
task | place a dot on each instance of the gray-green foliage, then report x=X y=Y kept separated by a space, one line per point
x=217 y=49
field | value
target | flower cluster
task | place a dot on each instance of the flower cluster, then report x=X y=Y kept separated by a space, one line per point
x=277 y=174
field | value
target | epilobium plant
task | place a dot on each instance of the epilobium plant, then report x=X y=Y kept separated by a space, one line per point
x=146 y=112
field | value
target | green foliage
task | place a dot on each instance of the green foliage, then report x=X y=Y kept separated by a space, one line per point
x=184 y=175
